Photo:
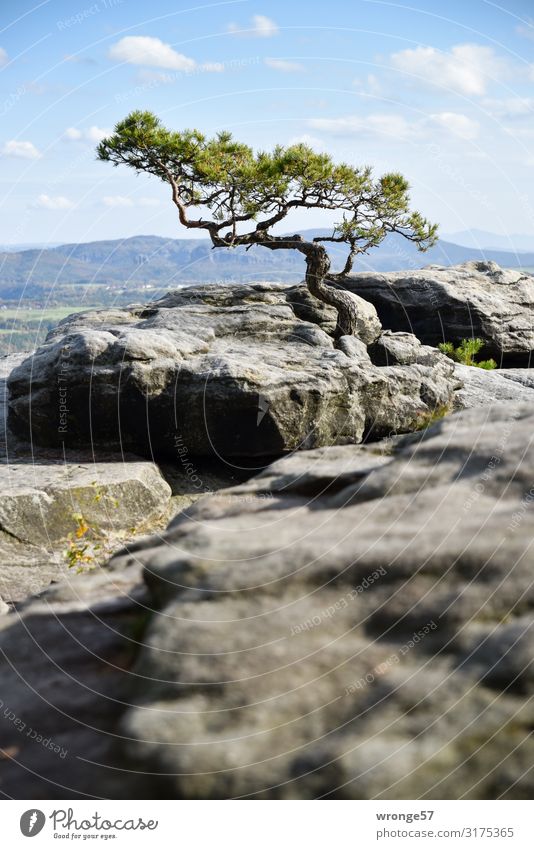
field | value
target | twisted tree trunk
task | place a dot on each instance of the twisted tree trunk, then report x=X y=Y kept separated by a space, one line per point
x=317 y=268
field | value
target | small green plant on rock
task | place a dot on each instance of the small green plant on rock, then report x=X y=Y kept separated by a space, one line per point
x=466 y=352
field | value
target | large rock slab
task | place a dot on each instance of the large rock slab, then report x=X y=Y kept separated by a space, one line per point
x=354 y=622
x=237 y=371
x=56 y=515
x=448 y=304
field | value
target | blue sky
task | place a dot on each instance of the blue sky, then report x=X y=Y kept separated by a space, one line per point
x=446 y=97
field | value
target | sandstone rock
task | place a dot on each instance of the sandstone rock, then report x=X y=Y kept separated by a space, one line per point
x=354 y=348
x=321 y=470
x=218 y=370
x=7 y=439
x=353 y=622
x=46 y=503
x=402 y=349
x=355 y=626
x=523 y=376
x=448 y=304
x=66 y=669
x=481 y=388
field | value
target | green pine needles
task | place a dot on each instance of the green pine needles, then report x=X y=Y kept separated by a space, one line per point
x=466 y=352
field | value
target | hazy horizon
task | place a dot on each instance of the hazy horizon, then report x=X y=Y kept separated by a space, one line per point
x=185 y=235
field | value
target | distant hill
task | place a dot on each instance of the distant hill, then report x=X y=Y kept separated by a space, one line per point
x=484 y=240
x=164 y=263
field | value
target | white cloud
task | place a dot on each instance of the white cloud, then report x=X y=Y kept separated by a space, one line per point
x=370 y=85
x=261 y=27
x=3 y=57
x=21 y=150
x=386 y=126
x=54 y=203
x=121 y=201
x=311 y=141
x=457 y=124
x=517 y=131
x=73 y=134
x=369 y=125
x=512 y=107
x=91 y=134
x=284 y=65
x=96 y=134
x=145 y=50
x=116 y=201
x=466 y=69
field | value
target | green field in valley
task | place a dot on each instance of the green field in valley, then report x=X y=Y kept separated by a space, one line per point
x=22 y=329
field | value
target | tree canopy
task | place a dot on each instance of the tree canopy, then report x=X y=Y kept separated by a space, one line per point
x=222 y=186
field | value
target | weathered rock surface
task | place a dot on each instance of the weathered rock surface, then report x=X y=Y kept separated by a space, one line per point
x=523 y=376
x=66 y=668
x=231 y=370
x=355 y=622
x=7 y=439
x=481 y=388
x=401 y=349
x=49 y=508
x=448 y=304
x=47 y=497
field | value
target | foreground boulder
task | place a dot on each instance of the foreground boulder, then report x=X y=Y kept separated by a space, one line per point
x=448 y=304
x=237 y=371
x=355 y=622
x=56 y=515
x=67 y=665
